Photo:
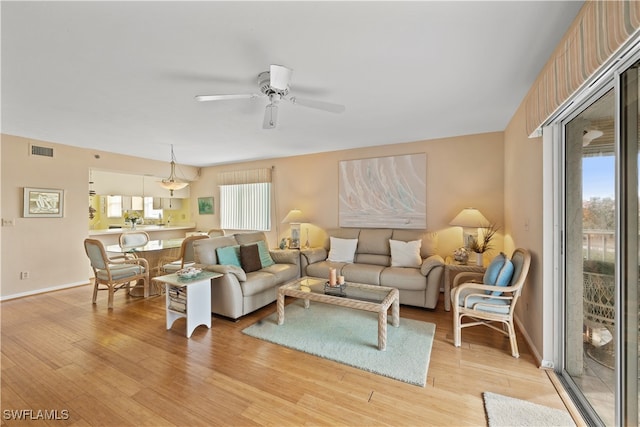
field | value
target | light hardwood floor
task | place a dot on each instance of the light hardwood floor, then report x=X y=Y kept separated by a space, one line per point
x=122 y=367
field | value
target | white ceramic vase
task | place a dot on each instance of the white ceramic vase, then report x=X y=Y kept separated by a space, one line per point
x=479 y=260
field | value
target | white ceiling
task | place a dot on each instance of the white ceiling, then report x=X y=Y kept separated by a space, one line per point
x=122 y=76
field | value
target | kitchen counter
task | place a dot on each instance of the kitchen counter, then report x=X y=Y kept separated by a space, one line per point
x=148 y=228
x=111 y=236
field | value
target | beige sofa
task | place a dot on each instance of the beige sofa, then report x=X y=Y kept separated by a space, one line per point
x=238 y=292
x=419 y=285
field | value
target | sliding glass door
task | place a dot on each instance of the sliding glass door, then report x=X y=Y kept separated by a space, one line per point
x=600 y=253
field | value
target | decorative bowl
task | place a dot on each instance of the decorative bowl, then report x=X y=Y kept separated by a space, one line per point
x=188 y=273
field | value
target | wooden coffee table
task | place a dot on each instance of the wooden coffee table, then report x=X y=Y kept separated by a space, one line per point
x=377 y=299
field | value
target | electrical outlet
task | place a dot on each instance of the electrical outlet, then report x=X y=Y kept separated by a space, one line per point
x=24 y=275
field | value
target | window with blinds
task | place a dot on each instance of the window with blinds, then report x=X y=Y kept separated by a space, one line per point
x=114 y=206
x=246 y=206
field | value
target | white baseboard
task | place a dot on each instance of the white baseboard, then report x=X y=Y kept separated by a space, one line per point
x=546 y=364
x=43 y=290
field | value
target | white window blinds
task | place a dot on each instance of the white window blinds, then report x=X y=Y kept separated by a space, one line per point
x=245 y=200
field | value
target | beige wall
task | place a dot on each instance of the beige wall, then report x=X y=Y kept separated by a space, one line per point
x=51 y=249
x=523 y=217
x=461 y=171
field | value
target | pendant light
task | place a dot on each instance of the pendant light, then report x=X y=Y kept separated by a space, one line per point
x=172 y=183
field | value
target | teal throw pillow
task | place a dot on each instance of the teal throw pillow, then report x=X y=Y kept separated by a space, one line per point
x=229 y=255
x=499 y=273
x=265 y=256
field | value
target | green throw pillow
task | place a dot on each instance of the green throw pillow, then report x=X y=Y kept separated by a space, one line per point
x=265 y=256
x=229 y=255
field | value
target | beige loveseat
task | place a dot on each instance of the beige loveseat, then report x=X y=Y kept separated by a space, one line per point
x=373 y=264
x=239 y=292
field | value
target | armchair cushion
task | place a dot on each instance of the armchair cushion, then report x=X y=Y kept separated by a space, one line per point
x=405 y=254
x=499 y=272
x=470 y=298
x=229 y=255
x=120 y=271
x=342 y=250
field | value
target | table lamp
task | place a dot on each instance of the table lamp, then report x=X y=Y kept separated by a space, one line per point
x=470 y=219
x=294 y=218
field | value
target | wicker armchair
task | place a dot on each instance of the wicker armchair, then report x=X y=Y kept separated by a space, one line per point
x=112 y=275
x=487 y=304
x=186 y=257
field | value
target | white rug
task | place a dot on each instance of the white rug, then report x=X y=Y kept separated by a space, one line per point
x=511 y=412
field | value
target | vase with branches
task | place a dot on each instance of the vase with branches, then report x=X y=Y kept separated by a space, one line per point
x=480 y=246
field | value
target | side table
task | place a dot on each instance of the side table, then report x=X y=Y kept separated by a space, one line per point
x=451 y=267
x=188 y=298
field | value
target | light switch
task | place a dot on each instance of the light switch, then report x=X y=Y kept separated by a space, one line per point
x=8 y=222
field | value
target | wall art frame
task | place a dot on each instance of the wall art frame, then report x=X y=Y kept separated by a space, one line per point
x=206 y=206
x=43 y=203
x=384 y=192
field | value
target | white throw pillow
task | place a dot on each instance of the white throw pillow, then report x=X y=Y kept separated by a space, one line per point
x=405 y=254
x=342 y=250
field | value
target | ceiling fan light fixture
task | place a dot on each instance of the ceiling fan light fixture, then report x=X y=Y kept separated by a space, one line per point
x=173 y=183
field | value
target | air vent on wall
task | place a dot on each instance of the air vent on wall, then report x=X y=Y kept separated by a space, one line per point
x=37 y=150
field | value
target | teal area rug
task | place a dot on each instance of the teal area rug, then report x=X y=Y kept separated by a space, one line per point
x=503 y=411
x=351 y=337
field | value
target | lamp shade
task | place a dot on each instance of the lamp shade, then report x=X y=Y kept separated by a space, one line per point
x=470 y=218
x=295 y=216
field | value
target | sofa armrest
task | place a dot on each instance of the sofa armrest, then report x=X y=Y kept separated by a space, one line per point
x=285 y=256
x=314 y=255
x=430 y=263
x=228 y=269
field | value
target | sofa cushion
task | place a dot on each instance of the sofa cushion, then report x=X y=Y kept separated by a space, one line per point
x=342 y=233
x=283 y=272
x=252 y=237
x=429 y=240
x=362 y=273
x=374 y=241
x=258 y=281
x=265 y=257
x=229 y=255
x=403 y=278
x=321 y=269
x=342 y=250
x=204 y=250
x=250 y=258
x=405 y=254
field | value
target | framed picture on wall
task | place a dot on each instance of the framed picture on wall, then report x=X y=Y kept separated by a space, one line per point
x=43 y=203
x=205 y=205
x=387 y=192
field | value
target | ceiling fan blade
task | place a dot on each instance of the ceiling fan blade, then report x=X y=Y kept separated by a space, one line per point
x=270 y=117
x=319 y=105
x=203 y=98
x=280 y=77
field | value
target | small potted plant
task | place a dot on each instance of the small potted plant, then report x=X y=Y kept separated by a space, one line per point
x=481 y=246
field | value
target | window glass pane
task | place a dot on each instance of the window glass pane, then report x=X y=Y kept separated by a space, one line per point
x=149 y=211
x=590 y=262
x=114 y=206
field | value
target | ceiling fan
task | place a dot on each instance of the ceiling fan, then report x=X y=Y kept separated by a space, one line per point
x=274 y=84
